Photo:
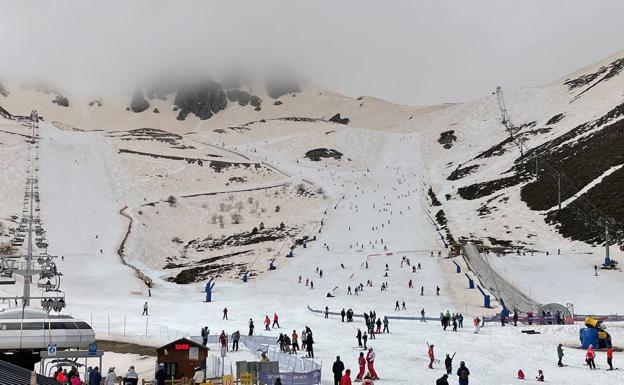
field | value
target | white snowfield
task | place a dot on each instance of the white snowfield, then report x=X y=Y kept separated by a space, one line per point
x=376 y=201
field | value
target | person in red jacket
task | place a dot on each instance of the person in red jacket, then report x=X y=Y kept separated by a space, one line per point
x=275 y=320
x=362 y=365
x=520 y=374
x=267 y=323
x=590 y=355
x=610 y=357
x=431 y=355
x=346 y=378
x=370 y=360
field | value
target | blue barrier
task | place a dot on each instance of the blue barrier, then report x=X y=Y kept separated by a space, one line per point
x=470 y=282
x=486 y=298
x=458 y=268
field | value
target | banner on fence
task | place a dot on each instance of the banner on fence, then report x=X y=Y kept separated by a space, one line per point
x=288 y=378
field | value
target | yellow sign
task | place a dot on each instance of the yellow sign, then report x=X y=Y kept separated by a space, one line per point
x=228 y=379
x=246 y=379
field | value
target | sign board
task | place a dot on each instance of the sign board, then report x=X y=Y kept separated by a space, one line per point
x=52 y=350
x=228 y=380
x=193 y=353
x=92 y=348
x=309 y=378
x=246 y=379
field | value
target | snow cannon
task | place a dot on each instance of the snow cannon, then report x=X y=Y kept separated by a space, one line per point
x=594 y=334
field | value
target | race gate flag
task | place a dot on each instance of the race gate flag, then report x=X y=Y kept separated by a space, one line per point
x=52 y=350
x=228 y=379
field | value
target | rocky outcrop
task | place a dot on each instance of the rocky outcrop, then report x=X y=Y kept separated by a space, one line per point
x=139 y=103
x=338 y=119
x=243 y=98
x=61 y=101
x=203 y=99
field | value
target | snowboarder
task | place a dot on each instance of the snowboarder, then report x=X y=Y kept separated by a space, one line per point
x=337 y=369
x=448 y=363
x=560 y=355
x=362 y=366
x=463 y=373
x=431 y=355
x=370 y=360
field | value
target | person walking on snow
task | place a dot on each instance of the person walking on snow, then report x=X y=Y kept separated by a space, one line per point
x=560 y=355
x=590 y=355
x=463 y=373
x=358 y=336
x=267 y=323
x=422 y=315
x=362 y=366
x=378 y=331
x=337 y=369
x=145 y=308
x=225 y=313
x=275 y=320
x=364 y=339
x=610 y=357
x=410 y=285
x=370 y=360
x=431 y=355
x=235 y=339
x=385 y=325
x=396 y=306
x=342 y=314
x=251 y=327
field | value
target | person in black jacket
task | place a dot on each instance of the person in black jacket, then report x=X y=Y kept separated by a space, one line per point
x=337 y=369
x=160 y=375
x=443 y=380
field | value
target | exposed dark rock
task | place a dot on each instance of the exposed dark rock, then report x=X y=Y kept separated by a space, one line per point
x=277 y=103
x=257 y=109
x=255 y=101
x=447 y=138
x=96 y=103
x=613 y=69
x=480 y=190
x=203 y=99
x=434 y=198
x=61 y=101
x=139 y=104
x=318 y=153
x=156 y=111
x=555 y=119
x=337 y=119
x=461 y=172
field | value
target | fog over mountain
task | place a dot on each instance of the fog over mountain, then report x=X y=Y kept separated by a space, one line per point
x=412 y=52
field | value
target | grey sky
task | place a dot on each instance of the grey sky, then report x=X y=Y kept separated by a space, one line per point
x=415 y=52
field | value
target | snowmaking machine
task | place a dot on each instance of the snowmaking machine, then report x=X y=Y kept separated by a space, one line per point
x=594 y=334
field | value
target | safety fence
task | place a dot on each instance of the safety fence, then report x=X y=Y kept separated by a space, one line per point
x=121 y=325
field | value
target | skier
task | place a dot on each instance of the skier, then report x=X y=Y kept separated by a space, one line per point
x=346 y=379
x=396 y=306
x=540 y=376
x=225 y=311
x=362 y=366
x=431 y=355
x=590 y=355
x=349 y=290
x=275 y=320
x=145 y=308
x=385 y=325
x=370 y=360
x=463 y=373
x=251 y=327
x=610 y=357
x=475 y=323
x=403 y=304
x=267 y=323
x=342 y=314
x=448 y=363
x=358 y=336
x=410 y=284
x=337 y=369
x=560 y=355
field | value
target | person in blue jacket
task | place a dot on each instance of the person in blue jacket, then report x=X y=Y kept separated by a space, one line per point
x=160 y=375
x=95 y=378
x=463 y=373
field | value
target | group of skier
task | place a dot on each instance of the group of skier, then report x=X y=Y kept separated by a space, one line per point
x=447 y=319
x=366 y=369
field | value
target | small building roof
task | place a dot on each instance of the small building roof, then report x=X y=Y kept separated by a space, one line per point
x=182 y=341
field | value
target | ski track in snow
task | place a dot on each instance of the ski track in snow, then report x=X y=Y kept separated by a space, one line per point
x=78 y=203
